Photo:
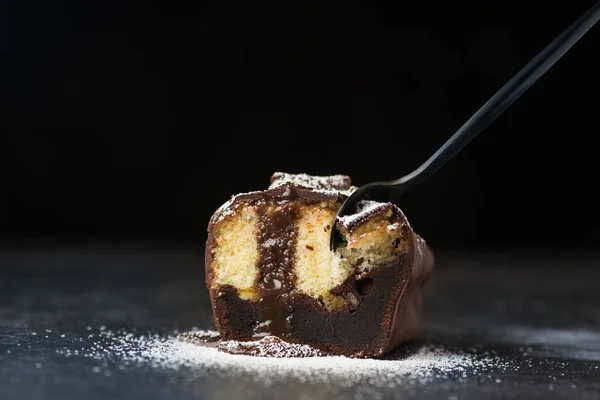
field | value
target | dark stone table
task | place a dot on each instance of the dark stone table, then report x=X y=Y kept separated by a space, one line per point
x=539 y=315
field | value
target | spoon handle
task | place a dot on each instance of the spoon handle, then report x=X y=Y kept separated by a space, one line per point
x=510 y=92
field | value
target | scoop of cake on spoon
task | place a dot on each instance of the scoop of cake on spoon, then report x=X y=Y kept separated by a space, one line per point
x=391 y=191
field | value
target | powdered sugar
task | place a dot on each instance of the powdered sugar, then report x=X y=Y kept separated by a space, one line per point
x=364 y=209
x=331 y=182
x=223 y=211
x=171 y=352
x=269 y=242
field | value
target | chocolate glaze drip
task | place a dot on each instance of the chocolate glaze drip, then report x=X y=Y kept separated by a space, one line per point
x=271 y=346
x=268 y=346
x=277 y=233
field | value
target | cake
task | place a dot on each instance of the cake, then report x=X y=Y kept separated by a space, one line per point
x=270 y=270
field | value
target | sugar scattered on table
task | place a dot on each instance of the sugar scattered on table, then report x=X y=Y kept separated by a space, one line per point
x=122 y=350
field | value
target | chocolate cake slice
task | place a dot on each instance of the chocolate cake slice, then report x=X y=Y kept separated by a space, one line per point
x=270 y=271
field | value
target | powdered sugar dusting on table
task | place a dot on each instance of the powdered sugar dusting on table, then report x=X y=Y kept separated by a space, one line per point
x=426 y=363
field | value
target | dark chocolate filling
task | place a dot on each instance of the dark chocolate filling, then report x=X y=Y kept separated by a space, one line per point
x=277 y=233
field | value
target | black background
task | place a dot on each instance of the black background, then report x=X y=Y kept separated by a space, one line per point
x=135 y=120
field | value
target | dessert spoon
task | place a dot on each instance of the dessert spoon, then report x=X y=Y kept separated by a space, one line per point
x=391 y=191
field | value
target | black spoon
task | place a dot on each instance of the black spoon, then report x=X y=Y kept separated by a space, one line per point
x=391 y=191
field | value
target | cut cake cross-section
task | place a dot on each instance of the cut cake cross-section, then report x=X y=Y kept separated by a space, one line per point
x=270 y=271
